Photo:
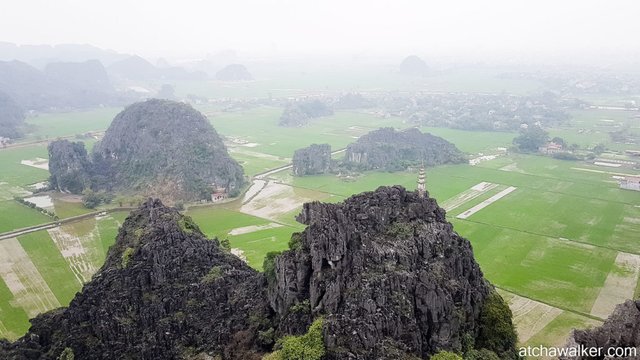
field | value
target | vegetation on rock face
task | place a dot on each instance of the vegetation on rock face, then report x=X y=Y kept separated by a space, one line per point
x=69 y=166
x=482 y=354
x=392 y=150
x=497 y=332
x=309 y=346
x=269 y=265
x=300 y=113
x=312 y=160
x=446 y=355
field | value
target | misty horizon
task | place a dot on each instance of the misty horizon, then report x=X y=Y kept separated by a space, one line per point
x=591 y=33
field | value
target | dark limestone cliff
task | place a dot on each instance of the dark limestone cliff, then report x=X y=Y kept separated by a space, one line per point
x=380 y=276
x=69 y=166
x=620 y=330
x=390 y=276
x=312 y=160
x=164 y=292
x=390 y=150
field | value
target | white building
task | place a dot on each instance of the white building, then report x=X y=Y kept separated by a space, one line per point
x=630 y=183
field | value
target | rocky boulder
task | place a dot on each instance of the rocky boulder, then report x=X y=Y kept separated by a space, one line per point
x=390 y=277
x=620 y=330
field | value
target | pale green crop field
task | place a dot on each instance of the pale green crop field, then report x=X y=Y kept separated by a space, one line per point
x=53 y=125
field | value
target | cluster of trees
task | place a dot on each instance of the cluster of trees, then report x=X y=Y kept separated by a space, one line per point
x=532 y=138
x=92 y=199
x=301 y=112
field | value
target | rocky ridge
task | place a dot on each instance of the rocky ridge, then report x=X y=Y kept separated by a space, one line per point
x=384 y=270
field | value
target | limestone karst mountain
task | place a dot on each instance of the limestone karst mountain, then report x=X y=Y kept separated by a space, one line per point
x=159 y=148
x=234 y=72
x=413 y=66
x=389 y=149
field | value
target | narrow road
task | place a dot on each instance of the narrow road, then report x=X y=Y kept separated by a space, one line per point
x=51 y=225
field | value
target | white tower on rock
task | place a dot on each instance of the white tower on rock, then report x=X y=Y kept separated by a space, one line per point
x=422 y=189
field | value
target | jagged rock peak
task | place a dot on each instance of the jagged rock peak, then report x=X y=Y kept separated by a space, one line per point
x=164 y=292
x=390 y=277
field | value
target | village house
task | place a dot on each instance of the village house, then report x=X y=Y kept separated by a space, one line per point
x=218 y=193
x=630 y=183
x=550 y=148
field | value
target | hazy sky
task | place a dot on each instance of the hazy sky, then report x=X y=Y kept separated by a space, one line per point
x=476 y=28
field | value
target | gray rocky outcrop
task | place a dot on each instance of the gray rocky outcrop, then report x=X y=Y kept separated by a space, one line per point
x=312 y=160
x=620 y=330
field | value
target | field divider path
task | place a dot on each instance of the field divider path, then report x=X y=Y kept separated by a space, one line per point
x=486 y=203
x=467 y=195
x=23 y=231
x=555 y=191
